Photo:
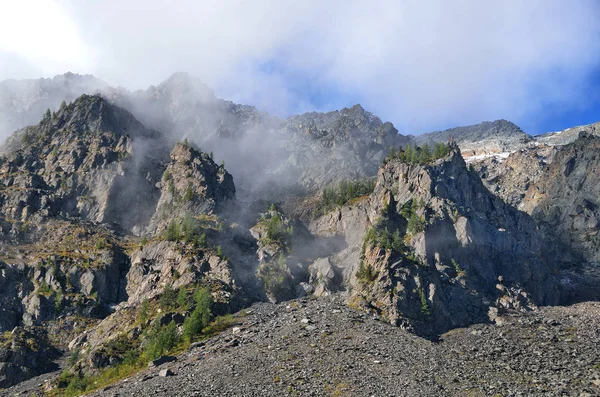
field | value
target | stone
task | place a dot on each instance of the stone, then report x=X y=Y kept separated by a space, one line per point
x=162 y=360
x=165 y=373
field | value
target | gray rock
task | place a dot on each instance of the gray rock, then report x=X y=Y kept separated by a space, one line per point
x=166 y=373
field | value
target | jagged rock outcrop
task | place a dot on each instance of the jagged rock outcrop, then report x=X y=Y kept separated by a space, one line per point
x=90 y=160
x=510 y=177
x=75 y=189
x=442 y=249
x=191 y=184
x=177 y=264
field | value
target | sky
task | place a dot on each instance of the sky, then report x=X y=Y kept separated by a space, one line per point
x=422 y=65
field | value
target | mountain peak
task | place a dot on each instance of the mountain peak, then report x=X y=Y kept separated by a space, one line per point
x=187 y=86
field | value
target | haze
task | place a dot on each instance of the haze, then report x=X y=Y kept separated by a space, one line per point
x=423 y=66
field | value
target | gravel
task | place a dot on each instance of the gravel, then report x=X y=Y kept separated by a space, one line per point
x=549 y=352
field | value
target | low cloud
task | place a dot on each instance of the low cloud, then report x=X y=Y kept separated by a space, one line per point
x=422 y=65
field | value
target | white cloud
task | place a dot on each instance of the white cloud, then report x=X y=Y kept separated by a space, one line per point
x=36 y=35
x=423 y=65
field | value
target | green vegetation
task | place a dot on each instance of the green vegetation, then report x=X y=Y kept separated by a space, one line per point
x=158 y=340
x=144 y=313
x=345 y=191
x=44 y=289
x=424 y=304
x=200 y=317
x=100 y=244
x=418 y=155
x=189 y=193
x=168 y=299
x=365 y=273
x=187 y=229
x=161 y=340
x=275 y=278
x=459 y=271
x=416 y=224
x=173 y=232
x=276 y=229
x=58 y=300
x=381 y=237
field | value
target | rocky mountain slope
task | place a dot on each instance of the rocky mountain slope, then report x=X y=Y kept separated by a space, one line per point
x=76 y=190
x=480 y=139
x=557 y=185
x=311 y=150
x=121 y=245
x=433 y=249
x=320 y=347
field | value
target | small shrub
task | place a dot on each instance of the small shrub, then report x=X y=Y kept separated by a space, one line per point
x=201 y=315
x=100 y=244
x=168 y=299
x=415 y=224
x=173 y=232
x=424 y=304
x=365 y=273
x=189 y=194
x=161 y=340
x=144 y=312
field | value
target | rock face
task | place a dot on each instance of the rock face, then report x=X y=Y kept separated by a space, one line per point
x=569 y=135
x=90 y=160
x=558 y=186
x=327 y=148
x=442 y=250
x=75 y=190
x=191 y=184
x=23 y=355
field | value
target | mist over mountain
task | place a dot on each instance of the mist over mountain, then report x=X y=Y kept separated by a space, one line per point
x=133 y=223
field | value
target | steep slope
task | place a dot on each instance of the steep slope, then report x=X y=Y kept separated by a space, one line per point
x=566 y=195
x=557 y=185
x=74 y=188
x=90 y=160
x=433 y=249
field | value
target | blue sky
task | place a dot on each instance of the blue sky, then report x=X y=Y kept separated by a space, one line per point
x=422 y=65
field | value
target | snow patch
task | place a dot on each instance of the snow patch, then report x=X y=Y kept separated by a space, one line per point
x=498 y=156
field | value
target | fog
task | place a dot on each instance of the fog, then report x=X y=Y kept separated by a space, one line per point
x=423 y=66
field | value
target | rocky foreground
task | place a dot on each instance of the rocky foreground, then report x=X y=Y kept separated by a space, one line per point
x=320 y=347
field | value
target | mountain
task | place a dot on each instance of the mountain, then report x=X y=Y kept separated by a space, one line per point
x=432 y=249
x=569 y=135
x=309 y=150
x=140 y=226
x=480 y=139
